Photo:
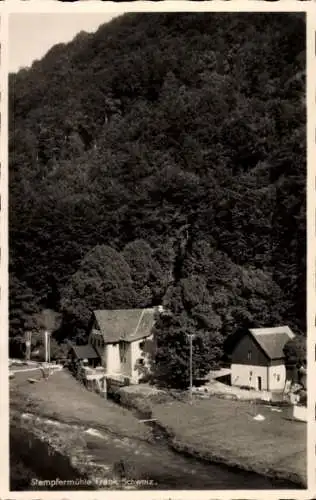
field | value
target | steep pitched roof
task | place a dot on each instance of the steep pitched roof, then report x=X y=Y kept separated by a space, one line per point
x=125 y=324
x=272 y=340
x=85 y=351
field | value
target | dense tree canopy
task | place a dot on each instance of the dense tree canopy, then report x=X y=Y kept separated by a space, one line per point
x=163 y=160
x=295 y=351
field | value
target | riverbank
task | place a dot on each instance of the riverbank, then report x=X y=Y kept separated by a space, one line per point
x=62 y=398
x=224 y=431
x=43 y=451
x=97 y=434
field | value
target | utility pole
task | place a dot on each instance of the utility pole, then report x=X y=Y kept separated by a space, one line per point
x=47 y=350
x=46 y=345
x=48 y=353
x=28 y=336
x=191 y=336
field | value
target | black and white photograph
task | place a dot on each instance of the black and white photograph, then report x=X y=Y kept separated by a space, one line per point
x=157 y=251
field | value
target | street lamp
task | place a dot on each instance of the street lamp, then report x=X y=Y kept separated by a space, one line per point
x=191 y=337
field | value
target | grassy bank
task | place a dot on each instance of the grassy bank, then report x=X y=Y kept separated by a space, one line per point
x=214 y=430
x=54 y=417
x=41 y=450
x=64 y=399
x=224 y=431
x=92 y=444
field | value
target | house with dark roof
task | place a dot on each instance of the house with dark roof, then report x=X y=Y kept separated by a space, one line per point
x=118 y=336
x=257 y=358
x=84 y=353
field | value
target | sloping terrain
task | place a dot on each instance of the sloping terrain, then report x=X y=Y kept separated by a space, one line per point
x=177 y=140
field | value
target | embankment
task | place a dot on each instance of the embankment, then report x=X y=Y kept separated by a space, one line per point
x=224 y=432
x=35 y=456
x=90 y=437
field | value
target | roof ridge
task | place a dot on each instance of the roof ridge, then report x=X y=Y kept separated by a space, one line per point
x=272 y=333
x=272 y=330
x=270 y=327
x=145 y=309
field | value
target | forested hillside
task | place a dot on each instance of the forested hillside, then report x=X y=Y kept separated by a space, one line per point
x=163 y=160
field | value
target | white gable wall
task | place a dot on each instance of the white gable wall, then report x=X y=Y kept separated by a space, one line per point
x=272 y=377
x=248 y=375
x=126 y=362
x=136 y=353
x=113 y=364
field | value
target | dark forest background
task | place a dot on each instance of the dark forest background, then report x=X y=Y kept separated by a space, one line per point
x=162 y=160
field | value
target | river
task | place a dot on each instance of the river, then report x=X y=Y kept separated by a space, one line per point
x=153 y=462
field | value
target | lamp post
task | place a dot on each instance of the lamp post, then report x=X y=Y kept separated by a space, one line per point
x=191 y=337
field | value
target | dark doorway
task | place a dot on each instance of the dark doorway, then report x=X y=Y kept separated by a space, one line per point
x=259 y=384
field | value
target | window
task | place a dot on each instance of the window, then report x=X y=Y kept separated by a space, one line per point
x=249 y=355
x=123 y=349
x=278 y=378
x=95 y=341
x=250 y=374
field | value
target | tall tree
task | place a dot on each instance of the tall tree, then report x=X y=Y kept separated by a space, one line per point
x=103 y=281
x=189 y=313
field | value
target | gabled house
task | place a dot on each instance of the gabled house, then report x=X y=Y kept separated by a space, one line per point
x=78 y=353
x=257 y=359
x=118 y=337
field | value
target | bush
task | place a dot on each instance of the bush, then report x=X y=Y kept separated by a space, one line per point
x=303 y=398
